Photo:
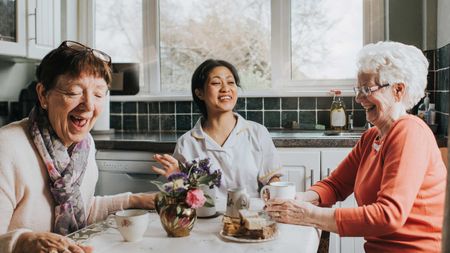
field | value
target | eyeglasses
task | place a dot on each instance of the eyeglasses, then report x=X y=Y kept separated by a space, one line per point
x=367 y=91
x=80 y=47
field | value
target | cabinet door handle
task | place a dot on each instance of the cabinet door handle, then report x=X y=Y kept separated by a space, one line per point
x=35 y=24
x=305 y=182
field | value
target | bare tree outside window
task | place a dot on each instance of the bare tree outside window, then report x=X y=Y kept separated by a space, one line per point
x=234 y=30
x=325 y=38
x=118 y=29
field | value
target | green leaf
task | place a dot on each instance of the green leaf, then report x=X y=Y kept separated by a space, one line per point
x=182 y=167
x=159 y=184
x=209 y=201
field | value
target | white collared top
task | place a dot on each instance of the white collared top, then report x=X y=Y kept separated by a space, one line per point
x=246 y=157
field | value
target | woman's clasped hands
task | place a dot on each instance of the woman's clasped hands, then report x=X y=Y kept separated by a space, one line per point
x=45 y=242
x=290 y=211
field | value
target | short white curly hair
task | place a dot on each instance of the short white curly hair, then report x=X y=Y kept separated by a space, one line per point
x=395 y=62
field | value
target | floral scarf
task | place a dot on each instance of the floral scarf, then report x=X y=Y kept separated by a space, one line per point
x=65 y=169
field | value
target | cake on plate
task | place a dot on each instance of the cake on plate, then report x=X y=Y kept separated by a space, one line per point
x=249 y=225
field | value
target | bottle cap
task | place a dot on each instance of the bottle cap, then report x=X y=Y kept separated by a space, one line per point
x=336 y=91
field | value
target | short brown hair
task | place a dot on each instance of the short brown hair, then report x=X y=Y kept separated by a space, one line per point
x=73 y=62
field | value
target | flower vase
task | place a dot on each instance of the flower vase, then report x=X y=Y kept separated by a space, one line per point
x=177 y=218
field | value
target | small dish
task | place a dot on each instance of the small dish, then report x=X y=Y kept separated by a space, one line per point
x=217 y=214
x=247 y=240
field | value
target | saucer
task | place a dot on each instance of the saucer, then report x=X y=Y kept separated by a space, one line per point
x=217 y=214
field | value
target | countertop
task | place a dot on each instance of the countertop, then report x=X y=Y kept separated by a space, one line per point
x=165 y=141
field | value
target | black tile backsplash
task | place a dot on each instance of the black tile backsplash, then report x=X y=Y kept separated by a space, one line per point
x=274 y=113
x=183 y=107
x=130 y=122
x=256 y=116
x=287 y=117
x=142 y=107
x=168 y=122
x=272 y=119
x=129 y=107
x=184 y=122
x=153 y=107
x=143 y=123
x=289 y=103
x=167 y=107
x=240 y=105
x=254 y=103
x=116 y=107
x=306 y=103
x=439 y=85
x=271 y=104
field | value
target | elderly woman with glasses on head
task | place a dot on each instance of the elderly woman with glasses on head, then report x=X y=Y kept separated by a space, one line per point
x=395 y=170
x=47 y=161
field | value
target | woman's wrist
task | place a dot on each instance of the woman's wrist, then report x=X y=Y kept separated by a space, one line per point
x=308 y=196
x=142 y=200
x=323 y=218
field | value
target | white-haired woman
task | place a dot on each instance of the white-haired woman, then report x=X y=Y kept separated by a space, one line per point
x=395 y=171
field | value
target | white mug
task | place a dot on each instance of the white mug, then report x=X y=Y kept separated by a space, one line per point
x=237 y=199
x=278 y=190
x=207 y=211
x=132 y=223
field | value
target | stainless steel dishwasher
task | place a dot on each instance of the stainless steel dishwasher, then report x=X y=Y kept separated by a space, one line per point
x=125 y=171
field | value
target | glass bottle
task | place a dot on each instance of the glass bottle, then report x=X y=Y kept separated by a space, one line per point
x=338 y=115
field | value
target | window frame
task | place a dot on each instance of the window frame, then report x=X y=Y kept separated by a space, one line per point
x=281 y=86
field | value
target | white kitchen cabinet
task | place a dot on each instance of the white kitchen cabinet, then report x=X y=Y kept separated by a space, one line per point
x=300 y=166
x=330 y=159
x=44 y=27
x=13 y=40
x=37 y=29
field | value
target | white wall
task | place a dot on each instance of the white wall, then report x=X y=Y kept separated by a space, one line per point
x=14 y=77
x=443 y=23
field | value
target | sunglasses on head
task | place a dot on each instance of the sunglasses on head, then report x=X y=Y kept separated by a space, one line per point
x=80 y=47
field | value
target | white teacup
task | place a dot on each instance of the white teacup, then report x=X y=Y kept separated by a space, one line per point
x=207 y=211
x=132 y=223
x=278 y=190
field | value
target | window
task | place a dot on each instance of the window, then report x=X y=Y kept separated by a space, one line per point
x=278 y=46
x=326 y=35
x=234 y=30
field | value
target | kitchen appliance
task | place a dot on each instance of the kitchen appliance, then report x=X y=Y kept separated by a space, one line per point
x=126 y=171
x=125 y=79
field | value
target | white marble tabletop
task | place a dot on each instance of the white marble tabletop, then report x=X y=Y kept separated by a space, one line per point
x=204 y=238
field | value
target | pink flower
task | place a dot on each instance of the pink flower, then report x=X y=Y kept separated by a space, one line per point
x=195 y=198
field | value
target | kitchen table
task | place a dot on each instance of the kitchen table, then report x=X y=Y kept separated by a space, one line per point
x=204 y=238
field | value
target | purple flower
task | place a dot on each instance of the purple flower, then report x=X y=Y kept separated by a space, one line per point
x=217 y=177
x=178 y=175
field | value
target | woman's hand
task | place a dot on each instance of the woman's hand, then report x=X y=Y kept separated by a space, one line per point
x=301 y=213
x=290 y=211
x=143 y=200
x=169 y=163
x=48 y=242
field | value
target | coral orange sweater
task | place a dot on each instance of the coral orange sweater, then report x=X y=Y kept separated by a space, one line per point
x=400 y=189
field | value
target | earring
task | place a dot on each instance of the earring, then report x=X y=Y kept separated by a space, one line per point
x=44 y=106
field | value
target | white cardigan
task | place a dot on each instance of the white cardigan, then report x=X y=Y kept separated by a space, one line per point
x=25 y=199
